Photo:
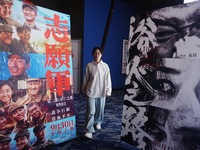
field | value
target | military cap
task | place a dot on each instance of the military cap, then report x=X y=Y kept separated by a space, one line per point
x=20 y=54
x=38 y=128
x=4 y=138
x=14 y=107
x=21 y=133
x=2 y=112
x=32 y=79
x=6 y=1
x=6 y=27
x=32 y=6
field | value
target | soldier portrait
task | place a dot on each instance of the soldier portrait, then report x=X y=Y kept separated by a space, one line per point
x=22 y=140
x=19 y=115
x=6 y=92
x=5 y=13
x=6 y=33
x=29 y=11
x=37 y=116
x=5 y=142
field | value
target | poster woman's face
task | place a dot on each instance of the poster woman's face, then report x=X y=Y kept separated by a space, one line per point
x=5 y=94
x=178 y=85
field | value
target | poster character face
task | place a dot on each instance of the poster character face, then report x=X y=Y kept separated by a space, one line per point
x=17 y=65
x=5 y=94
x=176 y=31
x=171 y=85
x=6 y=37
x=25 y=36
x=34 y=111
x=5 y=145
x=33 y=87
x=97 y=54
x=178 y=92
x=21 y=142
x=19 y=114
x=3 y=123
x=29 y=14
x=5 y=10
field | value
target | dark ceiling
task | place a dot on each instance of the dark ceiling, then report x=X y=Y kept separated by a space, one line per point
x=153 y=4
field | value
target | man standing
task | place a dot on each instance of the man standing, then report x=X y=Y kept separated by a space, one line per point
x=5 y=12
x=4 y=142
x=41 y=143
x=18 y=113
x=34 y=93
x=37 y=116
x=22 y=140
x=6 y=32
x=30 y=13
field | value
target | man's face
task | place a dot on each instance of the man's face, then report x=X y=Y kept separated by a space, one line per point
x=34 y=111
x=6 y=94
x=18 y=114
x=29 y=14
x=3 y=122
x=41 y=134
x=177 y=31
x=17 y=65
x=97 y=55
x=6 y=37
x=178 y=85
x=5 y=145
x=25 y=36
x=21 y=142
x=33 y=87
x=5 y=10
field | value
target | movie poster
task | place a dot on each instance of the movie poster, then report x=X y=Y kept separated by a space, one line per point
x=36 y=88
x=162 y=97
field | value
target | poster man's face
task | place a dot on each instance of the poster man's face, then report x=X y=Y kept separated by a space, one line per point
x=41 y=133
x=17 y=65
x=5 y=94
x=33 y=87
x=175 y=30
x=178 y=92
x=21 y=142
x=6 y=37
x=29 y=14
x=18 y=114
x=3 y=122
x=97 y=55
x=25 y=36
x=5 y=10
x=5 y=145
x=34 y=111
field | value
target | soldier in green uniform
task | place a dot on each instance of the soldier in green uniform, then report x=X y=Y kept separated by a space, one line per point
x=34 y=93
x=18 y=113
x=37 y=115
x=5 y=12
x=4 y=142
x=22 y=140
x=41 y=142
x=6 y=32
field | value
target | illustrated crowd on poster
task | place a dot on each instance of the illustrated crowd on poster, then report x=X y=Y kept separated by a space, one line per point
x=36 y=91
x=162 y=98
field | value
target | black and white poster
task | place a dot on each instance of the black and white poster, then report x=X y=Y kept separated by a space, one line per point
x=162 y=99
